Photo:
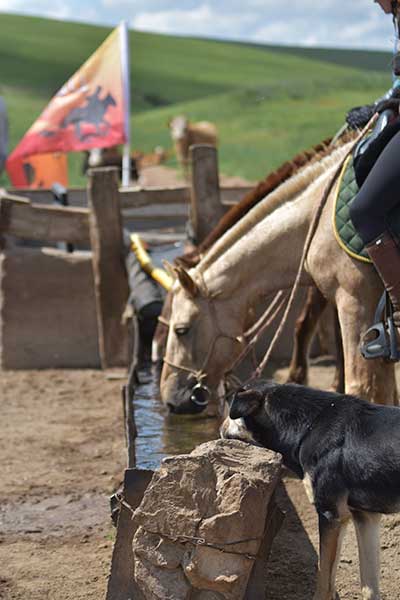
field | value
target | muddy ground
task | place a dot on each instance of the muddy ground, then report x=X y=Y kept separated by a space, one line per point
x=62 y=455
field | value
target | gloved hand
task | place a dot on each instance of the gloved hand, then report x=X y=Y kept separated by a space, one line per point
x=389 y=103
x=359 y=116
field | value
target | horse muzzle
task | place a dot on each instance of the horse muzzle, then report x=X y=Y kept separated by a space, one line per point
x=196 y=403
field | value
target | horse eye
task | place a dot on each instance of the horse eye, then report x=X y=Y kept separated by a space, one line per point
x=181 y=330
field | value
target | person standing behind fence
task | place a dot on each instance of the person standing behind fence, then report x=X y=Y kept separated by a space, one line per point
x=3 y=134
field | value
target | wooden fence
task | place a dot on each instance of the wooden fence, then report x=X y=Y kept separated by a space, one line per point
x=95 y=218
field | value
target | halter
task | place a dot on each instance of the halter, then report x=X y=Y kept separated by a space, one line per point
x=248 y=341
x=201 y=374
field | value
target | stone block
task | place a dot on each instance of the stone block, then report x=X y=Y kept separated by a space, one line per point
x=203 y=521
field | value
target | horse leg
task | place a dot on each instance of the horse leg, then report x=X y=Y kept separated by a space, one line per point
x=303 y=334
x=372 y=379
x=338 y=380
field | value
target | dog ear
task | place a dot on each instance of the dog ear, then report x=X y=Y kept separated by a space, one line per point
x=245 y=403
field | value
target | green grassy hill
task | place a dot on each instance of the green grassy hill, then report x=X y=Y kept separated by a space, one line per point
x=267 y=102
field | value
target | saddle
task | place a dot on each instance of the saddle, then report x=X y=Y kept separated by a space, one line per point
x=380 y=341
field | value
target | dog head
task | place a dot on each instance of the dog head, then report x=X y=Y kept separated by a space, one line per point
x=248 y=413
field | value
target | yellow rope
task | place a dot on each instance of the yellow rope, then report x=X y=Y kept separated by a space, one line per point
x=144 y=259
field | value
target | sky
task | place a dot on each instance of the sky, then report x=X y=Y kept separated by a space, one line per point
x=329 y=23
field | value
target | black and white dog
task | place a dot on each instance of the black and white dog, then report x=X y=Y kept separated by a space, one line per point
x=346 y=450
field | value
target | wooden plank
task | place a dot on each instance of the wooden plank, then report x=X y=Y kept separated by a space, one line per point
x=158 y=211
x=76 y=196
x=44 y=223
x=136 y=197
x=205 y=208
x=121 y=583
x=110 y=277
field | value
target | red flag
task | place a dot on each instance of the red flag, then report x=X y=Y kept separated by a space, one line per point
x=87 y=112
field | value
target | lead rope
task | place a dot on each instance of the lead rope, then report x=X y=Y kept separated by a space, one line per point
x=311 y=231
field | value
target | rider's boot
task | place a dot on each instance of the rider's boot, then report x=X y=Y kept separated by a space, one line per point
x=385 y=255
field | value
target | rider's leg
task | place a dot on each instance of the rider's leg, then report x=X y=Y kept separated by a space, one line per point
x=378 y=195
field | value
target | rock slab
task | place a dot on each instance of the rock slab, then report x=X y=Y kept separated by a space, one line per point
x=203 y=522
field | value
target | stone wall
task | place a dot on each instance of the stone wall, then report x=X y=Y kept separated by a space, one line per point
x=206 y=523
x=47 y=310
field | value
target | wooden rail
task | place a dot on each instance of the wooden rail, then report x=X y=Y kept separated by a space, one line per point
x=136 y=197
x=19 y=217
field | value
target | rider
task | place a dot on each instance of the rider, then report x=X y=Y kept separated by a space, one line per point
x=380 y=191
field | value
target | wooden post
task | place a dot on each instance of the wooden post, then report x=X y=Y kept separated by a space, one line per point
x=110 y=277
x=206 y=208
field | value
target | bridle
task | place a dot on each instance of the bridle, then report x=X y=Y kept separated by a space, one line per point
x=247 y=341
x=201 y=374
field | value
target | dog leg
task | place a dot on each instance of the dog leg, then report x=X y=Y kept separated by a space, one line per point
x=331 y=533
x=367 y=530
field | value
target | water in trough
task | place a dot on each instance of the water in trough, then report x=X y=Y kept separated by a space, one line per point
x=160 y=434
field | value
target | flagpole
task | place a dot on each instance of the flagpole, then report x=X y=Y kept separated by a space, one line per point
x=127 y=102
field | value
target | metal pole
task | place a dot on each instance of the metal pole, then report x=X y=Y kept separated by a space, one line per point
x=126 y=159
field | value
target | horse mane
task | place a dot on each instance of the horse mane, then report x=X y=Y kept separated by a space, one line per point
x=285 y=192
x=231 y=255
x=271 y=182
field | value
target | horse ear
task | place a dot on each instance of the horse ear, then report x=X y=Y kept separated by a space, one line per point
x=187 y=282
x=245 y=403
x=169 y=268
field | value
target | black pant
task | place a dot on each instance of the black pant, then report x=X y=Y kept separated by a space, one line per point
x=379 y=193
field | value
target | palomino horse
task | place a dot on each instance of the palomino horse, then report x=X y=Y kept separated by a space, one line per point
x=315 y=303
x=211 y=302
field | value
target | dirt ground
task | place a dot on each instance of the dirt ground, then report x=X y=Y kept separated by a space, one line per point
x=62 y=455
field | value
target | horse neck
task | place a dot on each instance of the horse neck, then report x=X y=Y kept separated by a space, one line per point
x=267 y=258
x=288 y=191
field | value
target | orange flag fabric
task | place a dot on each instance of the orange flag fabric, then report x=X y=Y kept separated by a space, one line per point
x=42 y=170
x=87 y=112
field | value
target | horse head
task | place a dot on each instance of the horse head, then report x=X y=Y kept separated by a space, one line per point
x=203 y=341
x=178 y=127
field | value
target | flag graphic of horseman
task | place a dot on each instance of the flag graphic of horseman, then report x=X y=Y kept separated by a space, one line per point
x=90 y=111
x=92 y=114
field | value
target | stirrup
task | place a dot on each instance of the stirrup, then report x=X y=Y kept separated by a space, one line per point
x=383 y=334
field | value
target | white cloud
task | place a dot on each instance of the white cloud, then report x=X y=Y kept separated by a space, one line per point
x=53 y=9
x=354 y=23
x=203 y=21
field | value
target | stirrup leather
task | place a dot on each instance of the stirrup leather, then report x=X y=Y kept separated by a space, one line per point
x=380 y=340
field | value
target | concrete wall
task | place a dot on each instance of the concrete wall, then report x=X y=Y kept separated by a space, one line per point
x=47 y=310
